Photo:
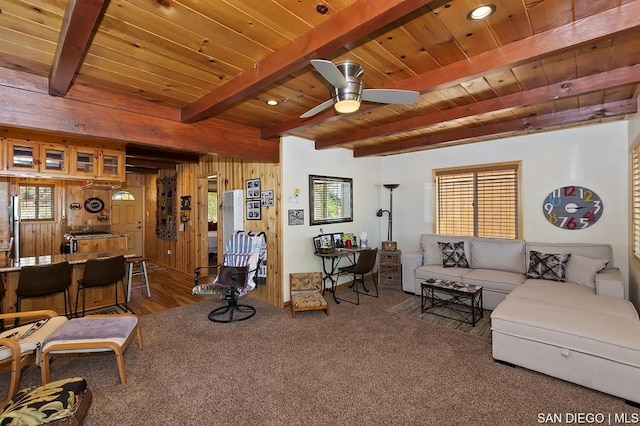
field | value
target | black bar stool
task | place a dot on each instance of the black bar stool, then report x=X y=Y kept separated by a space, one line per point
x=101 y=273
x=42 y=281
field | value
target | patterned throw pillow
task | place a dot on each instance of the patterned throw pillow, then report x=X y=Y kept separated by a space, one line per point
x=453 y=255
x=547 y=266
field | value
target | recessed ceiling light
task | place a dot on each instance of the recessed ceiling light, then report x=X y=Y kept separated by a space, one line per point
x=272 y=102
x=481 y=12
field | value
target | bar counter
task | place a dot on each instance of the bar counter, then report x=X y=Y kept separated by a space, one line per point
x=96 y=297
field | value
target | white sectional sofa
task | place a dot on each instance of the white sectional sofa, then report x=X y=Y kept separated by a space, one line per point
x=578 y=327
x=501 y=265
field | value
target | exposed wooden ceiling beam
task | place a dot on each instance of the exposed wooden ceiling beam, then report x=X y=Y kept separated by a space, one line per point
x=168 y=156
x=35 y=110
x=81 y=20
x=611 y=109
x=614 y=21
x=143 y=170
x=150 y=164
x=575 y=87
x=352 y=23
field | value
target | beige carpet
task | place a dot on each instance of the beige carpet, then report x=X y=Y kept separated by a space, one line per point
x=440 y=315
x=362 y=365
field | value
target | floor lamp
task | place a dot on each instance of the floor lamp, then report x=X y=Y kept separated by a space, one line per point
x=390 y=187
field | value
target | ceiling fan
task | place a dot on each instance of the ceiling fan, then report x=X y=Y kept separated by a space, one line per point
x=346 y=79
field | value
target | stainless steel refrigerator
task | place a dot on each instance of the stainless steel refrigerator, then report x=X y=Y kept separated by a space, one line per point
x=14 y=226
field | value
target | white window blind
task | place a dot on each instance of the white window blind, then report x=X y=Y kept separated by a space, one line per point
x=635 y=188
x=329 y=199
x=37 y=202
x=482 y=201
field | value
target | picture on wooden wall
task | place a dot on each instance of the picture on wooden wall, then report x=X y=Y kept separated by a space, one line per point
x=166 y=211
x=253 y=210
x=253 y=188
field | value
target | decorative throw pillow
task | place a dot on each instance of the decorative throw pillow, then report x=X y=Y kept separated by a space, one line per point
x=582 y=270
x=453 y=255
x=546 y=266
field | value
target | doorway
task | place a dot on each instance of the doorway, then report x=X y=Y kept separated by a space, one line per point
x=212 y=219
x=126 y=217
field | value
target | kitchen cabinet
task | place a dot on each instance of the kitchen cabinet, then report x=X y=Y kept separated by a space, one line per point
x=95 y=245
x=98 y=164
x=111 y=165
x=37 y=157
x=84 y=162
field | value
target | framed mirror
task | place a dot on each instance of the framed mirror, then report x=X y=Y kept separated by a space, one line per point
x=330 y=199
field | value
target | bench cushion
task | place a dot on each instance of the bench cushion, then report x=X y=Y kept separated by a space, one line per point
x=46 y=404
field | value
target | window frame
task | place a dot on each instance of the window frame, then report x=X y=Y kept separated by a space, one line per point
x=635 y=202
x=346 y=216
x=516 y=166
x=36 y=187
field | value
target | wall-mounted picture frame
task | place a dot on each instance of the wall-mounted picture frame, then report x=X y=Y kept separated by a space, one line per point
x=317 y=243
x=253 y=210
x=253 y=188
x=296 y=217
x=185 y=202
x=268 y=198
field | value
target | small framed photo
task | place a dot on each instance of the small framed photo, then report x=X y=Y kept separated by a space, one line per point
x=296 y=217
x=317 y=243
x=267 y=198
x=325 y=240
x=338 y=241
x=253 y=188
x=253 y=210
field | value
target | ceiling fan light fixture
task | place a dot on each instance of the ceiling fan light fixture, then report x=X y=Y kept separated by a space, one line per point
x=346 y=106
x=481 y=12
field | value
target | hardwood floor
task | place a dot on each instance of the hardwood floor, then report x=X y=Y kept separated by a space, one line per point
x=169 y=289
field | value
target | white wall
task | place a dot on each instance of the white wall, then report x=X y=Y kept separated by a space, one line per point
x=299 y=160
x=634 y=268
x=595 y=157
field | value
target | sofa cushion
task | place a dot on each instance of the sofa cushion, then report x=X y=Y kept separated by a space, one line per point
x=600 y=335
x=431 y=251
x=592 y=250
x=439 y=272
x=574 y=296
x=582 y=270
x=500 y=254
x=453 y=255
x=547 y=266
x=503 y=281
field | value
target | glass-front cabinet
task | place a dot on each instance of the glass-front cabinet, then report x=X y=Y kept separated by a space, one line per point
x=37 y=157
x=112 y=165
x=85 y=162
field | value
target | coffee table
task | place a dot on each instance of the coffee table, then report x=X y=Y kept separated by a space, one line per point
x=463 y=300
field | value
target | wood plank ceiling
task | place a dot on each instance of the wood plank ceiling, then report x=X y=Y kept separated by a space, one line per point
x=195 y=75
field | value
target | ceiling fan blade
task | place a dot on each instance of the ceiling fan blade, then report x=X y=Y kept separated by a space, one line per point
x=390 y=96
x=330 y=72
x=319 y=108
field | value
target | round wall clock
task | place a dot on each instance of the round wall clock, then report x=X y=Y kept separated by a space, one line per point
x=93 y=205
x=572 y=207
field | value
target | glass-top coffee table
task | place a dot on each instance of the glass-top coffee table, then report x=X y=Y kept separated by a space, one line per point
x=463 y=301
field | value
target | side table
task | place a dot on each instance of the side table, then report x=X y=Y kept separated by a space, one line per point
x=390 y=270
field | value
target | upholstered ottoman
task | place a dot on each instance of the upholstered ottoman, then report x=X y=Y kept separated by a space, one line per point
x=598 y=350
x=63 y=402
x=90 y=334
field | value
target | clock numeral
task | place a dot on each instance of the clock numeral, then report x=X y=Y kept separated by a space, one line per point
x=590 y=216
x=584 y=222
x=553 y=218
x=596 y=203
x=548 y=207
x=555 y=200
x=569 y=191
x=571 y=223
x=586 y=195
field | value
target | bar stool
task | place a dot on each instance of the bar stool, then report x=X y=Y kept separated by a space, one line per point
x=42 y=281
x=141 y=264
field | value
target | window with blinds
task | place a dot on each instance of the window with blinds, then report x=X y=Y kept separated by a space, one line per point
x=37 y=202
x=480 y=201
x=331 y=199
x=635 y=188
